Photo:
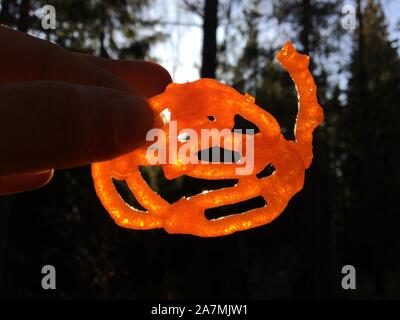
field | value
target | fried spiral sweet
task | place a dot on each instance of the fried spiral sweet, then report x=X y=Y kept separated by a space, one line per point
x=191 y=105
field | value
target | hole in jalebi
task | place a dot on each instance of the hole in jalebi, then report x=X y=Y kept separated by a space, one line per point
x=219 y=155
x=266 y=172
x=236 y=208
x=126 y=194
x=211 y=118
x=184 y=186
x=243 y=124
x=184 y=137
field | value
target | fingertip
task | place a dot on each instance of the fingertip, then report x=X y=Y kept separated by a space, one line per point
x=148 y=78
x=72 y=125
x=134 y=118
x=24 y=182
x=118 y=125
x=162 y=78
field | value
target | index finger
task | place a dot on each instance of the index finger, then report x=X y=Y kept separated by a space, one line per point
x=24 y=58
x=148 y=78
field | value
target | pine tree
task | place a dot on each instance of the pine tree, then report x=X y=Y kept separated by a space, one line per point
x=209 y=50
x=247 y=71
x=317 y=32
x=370 y=136
x=111 y=28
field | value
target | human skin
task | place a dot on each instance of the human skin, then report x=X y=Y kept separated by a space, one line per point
x=60 y=109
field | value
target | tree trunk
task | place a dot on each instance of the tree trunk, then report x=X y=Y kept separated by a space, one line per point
x=23 y=21
x=305 y=36
x=317 y=218
x=209 y=53
x=5 y=5
x=103 y=50
x=361 y=62
x=369 y=179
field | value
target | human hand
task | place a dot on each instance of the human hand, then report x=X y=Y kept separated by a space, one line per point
x=60 y=109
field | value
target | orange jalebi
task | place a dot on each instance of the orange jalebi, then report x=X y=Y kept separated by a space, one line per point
x=191 y=105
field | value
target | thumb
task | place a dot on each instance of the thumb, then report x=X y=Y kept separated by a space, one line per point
x=46 y=125
x=24 y=182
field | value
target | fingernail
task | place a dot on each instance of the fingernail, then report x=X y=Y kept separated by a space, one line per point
x=134 y=119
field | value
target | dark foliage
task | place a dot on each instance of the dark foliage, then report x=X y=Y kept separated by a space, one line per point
x=346 y=214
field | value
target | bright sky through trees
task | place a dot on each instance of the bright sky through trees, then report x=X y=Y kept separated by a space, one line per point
x=181 y=50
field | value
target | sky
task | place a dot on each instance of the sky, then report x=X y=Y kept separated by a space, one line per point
x=180 y=53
